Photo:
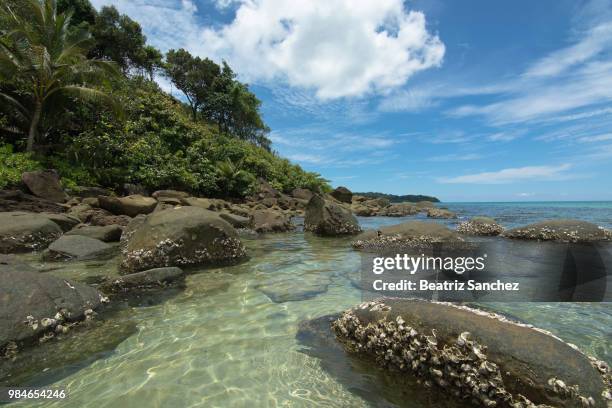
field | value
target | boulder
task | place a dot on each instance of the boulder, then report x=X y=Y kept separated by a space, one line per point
x=131 y=205
x=472 y=354
x=424 y=204
x=169 y=194
x=97 y=216
x=45 y=184
x=91 y=201
x=24 y=232
x=271 y=221
x=483 y=226
x=157 y=277
x=329 y=219
x=65 y=221
x=179 y=237
x=77 y=247
x=212 y=204
x=33 y=304
x=237 y=221
x=399 y=210
x=15 y=200
x=302 y=194
x=107 y=233
x=362 y=210
x=440 y=213
x=342 y=194
x=265 y=190
x=406 y=235
x=562 y=231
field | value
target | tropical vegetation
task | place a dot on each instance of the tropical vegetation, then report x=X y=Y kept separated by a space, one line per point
x=78 y=94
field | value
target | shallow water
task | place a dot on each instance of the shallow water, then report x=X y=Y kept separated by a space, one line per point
x=224 y=342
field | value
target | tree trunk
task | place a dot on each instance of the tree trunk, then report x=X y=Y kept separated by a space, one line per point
x=34 y=127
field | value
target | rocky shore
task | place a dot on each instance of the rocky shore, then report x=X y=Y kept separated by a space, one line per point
x=157 y=238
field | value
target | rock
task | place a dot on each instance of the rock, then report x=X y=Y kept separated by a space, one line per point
x=65 y=221
x=472 y=354
x=15 y=200
x=206 y=203
x=342 y=194
x=91 y=201
x=131 y=205
x=483 y=226
x=32 y=304
x=45 y=184
x=157 y=277
x=169 y=194
x=562 y=231
x=97 y=216
x=107 y=233
x=284 y=288
x=168 y=201
x=265 y=190
x=236 y=220
x=181 y=236
x=329 y=219
x=399 y=210
x=440 y=213
x=90 y=192
x=270 y=221
x=406 y=235
x=24 y=232
x=362 y=210
x=302 y=194
x=77 y=247
x=424 y=204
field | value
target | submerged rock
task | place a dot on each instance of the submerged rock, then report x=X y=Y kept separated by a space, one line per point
x=178 y=237
x=107 y=233
x=157 y=277
x=406 y=235
x=131 y=205
x=264 y=221
x=562 y=231
x=473 y=355
x=32 y=304
x=286 y=288
x=483 y=226
x=25 y=232
x=327 y=218
x=77 y=247
x=45 y=184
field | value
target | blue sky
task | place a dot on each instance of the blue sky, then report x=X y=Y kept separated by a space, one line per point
x=467 y=101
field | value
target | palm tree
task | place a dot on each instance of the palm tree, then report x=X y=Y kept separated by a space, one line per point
x=46 y=64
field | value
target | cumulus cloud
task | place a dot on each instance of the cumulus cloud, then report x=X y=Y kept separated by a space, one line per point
x=511 y=175
x=338 y=48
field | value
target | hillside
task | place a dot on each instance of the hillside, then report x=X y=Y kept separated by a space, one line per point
x=400 y=198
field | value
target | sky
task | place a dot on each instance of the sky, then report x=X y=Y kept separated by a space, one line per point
x=467 y=101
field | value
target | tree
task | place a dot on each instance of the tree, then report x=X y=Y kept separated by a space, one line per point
x=150 y=60
x=83 y=13
x=118 y=38
x=193 y=76
x=46 y=68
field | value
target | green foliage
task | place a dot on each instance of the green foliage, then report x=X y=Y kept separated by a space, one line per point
x=13 y=164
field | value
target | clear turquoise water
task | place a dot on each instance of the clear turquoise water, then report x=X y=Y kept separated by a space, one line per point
x=224 y=341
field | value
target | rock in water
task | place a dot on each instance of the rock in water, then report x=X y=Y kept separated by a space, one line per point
x=562 y=231
x=474 y=355
x=406 y=235
x=157 y=277
x=483 y=226
x=440 y=213
x=77 y=247
x=271 y=221
x=24 y=232
x=131 y=205
x=107 y=233
x=179 y=237
x=45 y=184
x=329 y=219
x=32 y=303
x=342 y=194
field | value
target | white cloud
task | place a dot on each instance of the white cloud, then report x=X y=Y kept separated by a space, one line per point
x=338 y=48
x=596 y=138
x=510 y=175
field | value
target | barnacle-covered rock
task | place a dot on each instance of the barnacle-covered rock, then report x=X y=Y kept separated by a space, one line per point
x=406 y=235
x=562 y=231
x=326 y=218
x=24 y=232
x=180 y=236
x=483 y=226
x=474 y=355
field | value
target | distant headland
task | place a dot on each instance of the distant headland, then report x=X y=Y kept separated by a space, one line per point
x=400 y=198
